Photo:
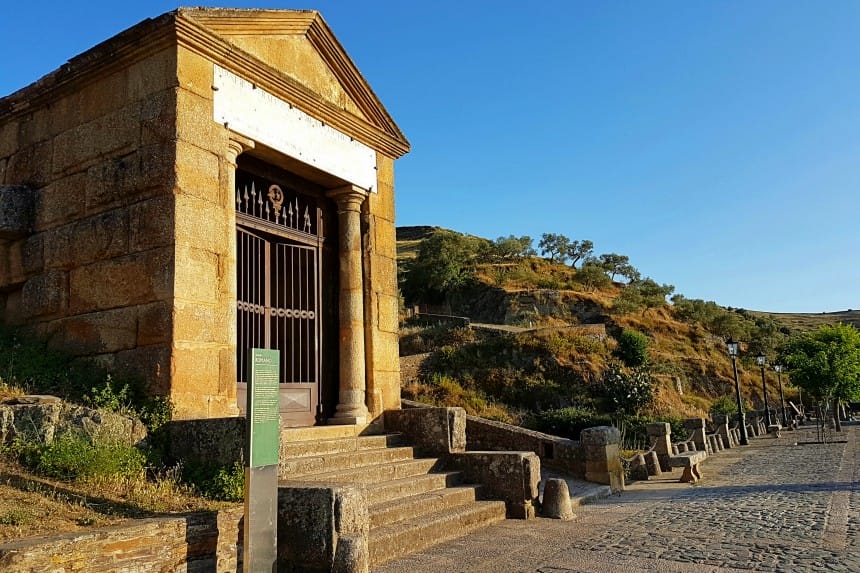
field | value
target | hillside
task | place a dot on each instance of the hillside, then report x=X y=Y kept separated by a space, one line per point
x=554 y=363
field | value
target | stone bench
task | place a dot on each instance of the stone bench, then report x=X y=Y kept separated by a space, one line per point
x=679 y=455
x=689 y=461
x=774 y=429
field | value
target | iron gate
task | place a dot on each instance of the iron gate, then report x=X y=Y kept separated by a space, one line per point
x=279 y=292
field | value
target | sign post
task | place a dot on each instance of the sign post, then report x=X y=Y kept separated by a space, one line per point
x=262 y=435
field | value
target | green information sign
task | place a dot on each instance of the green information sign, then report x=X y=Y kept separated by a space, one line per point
x=262 y=424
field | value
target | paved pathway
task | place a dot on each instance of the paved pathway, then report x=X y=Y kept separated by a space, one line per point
x=772 y=506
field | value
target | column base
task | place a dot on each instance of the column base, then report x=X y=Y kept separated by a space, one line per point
x=337 y=420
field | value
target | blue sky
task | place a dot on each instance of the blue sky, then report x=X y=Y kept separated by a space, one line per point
x=717 y=144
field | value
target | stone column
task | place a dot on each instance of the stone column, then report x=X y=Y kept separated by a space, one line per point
x=351 y=407
x=236 y=145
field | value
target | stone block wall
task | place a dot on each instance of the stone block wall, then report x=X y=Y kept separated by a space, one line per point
x=193 y=543
x=92 y=149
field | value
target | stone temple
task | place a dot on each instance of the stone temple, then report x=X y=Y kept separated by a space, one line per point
x=208 y=181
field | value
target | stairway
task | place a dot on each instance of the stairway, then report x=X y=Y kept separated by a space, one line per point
x=413 y=502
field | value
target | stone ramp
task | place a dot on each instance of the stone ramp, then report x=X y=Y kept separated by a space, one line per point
x=413 y=502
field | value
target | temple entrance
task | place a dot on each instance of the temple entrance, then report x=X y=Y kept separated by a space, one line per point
x=279 y=261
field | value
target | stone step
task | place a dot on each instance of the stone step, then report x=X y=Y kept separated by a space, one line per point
x=375 y=474
x=404 y=537
x=300 y=448
x=391 y=490
x=316 y=433
x=339 y=462
x=388 y=512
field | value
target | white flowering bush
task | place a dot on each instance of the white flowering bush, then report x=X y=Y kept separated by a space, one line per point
x=628 y=391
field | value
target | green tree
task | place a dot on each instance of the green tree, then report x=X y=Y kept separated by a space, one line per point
x=579 y=251
x=614 y=264
x=825 y=362
x=632 y=348
x=642 y=294
x=653 y=294
x=727 y=324
x=512 y=247
x=556 y=246
x=629 y=300
x=445 y=262
x=591 y=277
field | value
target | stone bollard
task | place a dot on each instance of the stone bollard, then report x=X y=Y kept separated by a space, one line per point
x=675 y=450
x=721 y=422
x=721 y=443
x=712 y=443
x=556 y=500
x=653 y=464
x=752 y=430
x=601 y=446
x=696 y=427
x=660 y=434
x=691 y=446
x=638 y=467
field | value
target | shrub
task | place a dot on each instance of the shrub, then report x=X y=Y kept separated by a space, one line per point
x=727 y=405
x=567 y=422
x=73 y=456
x=628 y=393
x=224 y=483
x=632 y=348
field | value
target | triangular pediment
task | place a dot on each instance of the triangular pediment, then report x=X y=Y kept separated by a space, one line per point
x=300 y=45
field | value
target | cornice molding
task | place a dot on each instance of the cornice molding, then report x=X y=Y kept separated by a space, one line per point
x=134 y=44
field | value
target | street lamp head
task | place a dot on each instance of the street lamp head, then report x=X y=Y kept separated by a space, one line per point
x=777 y=368
x=761 y=359
x=732 y=347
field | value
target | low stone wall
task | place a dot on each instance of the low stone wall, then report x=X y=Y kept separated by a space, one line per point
x=554 y=452
x=194 y=543
x=595 y=458
x=320 y=529
x=434 y=319
x=218 y=441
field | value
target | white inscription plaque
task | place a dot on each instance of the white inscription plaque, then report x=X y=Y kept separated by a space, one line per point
x=259 y=115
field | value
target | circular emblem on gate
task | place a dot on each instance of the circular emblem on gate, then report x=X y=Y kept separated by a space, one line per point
x=276 y=197
x=311 y=314
x=304 y=314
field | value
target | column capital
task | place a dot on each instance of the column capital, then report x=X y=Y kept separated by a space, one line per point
x=236 y=145
x=349 y=197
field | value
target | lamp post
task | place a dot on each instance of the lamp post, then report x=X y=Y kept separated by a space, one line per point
x=732 y=347
x=778 y=368
x=761 y=360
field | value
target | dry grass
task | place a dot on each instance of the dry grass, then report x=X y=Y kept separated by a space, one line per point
x=803 y=322
x=32 y=505
x=9 y=391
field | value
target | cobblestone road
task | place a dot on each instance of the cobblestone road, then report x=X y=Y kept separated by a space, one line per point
x=772 y=506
